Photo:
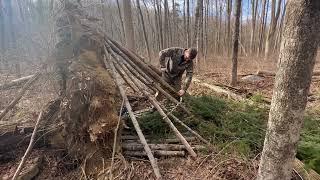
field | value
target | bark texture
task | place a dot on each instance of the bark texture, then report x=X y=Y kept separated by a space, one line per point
x=296 y=62
x=128 y=25
x=235 y=43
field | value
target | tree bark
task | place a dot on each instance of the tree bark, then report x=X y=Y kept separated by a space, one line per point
x=166 y=24
x=254 y=8
x=144 y=30
x=128 y=25
x=235 y=44
x=228 y=39
x=197 y=22
x=296 y=61
x=121 y=20
x=262 y=26
x=188 y=24
x=272 y=28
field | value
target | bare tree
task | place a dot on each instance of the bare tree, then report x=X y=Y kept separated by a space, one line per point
x=197 y=22
x=254 y=8
x=121 y=20
x=166 y=34
x=272 y=28
x=144 y=30
x=128 y=24
x=296 y=61
x=235 y=43
x=228 y=38
x=188 y=24
x=264 y=15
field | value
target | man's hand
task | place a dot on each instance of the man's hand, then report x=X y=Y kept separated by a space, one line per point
x=181 y=92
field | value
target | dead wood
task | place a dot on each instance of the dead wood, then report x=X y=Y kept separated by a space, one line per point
x=167 y=147
x=265 y=73
x=20 y=94
x=132 y=116
x=307 y=174
x=137 y=60
x=167 y=120
x=156 y=153
x=30 y=146
x=145 y=79
x=175 y=140
x=189 y=129
x=162 y=113
x=219 y=90
x=15 y=82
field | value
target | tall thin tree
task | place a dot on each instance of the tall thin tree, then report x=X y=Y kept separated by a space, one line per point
x=144 y=29
x=128 y=24
x=235 y=48
x=301 y=39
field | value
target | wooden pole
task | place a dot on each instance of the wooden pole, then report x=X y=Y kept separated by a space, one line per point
x=133 y=118
x=137 y=60
x=144 y=78
x=159 y=109
x=30 y=146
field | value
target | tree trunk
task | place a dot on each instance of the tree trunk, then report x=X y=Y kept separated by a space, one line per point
x=254 y=8
x=144 y=30
x=188 y=24
x=272 y=28
x=128 y=25
x=197 y=22
x=121 y=20
x=262 y=26
x=296 y=61
x=166 y=24
x=159 y=20
x=235 y=43
x=228 y=39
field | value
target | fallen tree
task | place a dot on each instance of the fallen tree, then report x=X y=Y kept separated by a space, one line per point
x=16 y=82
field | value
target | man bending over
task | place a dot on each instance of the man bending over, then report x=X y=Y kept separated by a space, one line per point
x=174 y=62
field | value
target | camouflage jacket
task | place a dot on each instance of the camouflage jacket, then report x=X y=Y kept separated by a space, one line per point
x=173 y=65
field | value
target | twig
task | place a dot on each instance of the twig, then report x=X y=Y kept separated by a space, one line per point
x=31 y=143
x=115 y=141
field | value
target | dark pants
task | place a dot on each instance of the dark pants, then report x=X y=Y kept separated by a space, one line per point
x=174 y=82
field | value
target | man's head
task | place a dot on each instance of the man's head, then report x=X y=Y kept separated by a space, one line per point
x=190 y=54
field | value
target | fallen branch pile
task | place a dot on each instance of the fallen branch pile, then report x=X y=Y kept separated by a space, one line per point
x=145 y=80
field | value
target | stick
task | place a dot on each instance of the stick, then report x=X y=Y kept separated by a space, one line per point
x=189 y=129
x=125 y=78
x=19 y=96
x=219 y=90
x=115 y=141
x=167 y=147
x=31 y=143
x=133 y=118
x=156 y=152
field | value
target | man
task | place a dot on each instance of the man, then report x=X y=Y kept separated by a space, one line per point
x=174 y=62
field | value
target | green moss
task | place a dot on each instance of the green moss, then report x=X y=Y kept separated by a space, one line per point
x=238 y=125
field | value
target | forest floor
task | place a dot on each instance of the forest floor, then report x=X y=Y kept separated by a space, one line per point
x=212 y=164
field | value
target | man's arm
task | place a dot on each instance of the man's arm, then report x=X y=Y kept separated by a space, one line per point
x=189 y=74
